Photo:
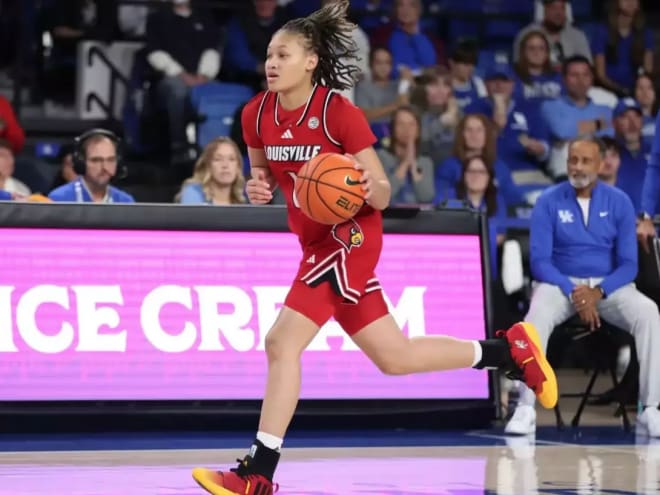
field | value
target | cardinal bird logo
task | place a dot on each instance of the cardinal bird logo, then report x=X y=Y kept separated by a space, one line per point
x=348 y=234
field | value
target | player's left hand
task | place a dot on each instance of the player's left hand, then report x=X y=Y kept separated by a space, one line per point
x=366 y=178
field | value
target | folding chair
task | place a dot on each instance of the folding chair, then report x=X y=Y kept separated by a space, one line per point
x=600 y=349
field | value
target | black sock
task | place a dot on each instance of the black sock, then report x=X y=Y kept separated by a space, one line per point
x=261 y=460
x=495 y=354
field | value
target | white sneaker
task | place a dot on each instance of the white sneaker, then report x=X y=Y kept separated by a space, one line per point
x=523 y=421
x=649 y=422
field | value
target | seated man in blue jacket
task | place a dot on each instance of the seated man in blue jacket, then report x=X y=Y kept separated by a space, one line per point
x=583 y=253
x=95 y=160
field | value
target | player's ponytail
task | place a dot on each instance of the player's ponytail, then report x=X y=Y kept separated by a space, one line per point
x=329 y=34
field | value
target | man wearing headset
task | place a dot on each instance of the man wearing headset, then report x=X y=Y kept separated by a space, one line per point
x=95 y=160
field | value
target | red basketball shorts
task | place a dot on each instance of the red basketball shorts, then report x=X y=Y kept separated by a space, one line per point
x=337 y=278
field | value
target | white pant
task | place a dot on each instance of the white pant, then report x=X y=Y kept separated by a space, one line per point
x=626 y=308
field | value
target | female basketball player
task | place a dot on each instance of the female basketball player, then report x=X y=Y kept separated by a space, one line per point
x=298 y=117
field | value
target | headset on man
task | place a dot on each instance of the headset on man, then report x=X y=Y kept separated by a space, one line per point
x=79 y=155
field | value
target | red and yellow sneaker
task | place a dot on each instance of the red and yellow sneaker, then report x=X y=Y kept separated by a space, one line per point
x=231 y=483
x=535 y=370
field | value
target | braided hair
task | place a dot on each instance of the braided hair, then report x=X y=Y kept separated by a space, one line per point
x=329 y=34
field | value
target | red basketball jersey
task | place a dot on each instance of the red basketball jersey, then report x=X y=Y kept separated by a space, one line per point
x=327 y=123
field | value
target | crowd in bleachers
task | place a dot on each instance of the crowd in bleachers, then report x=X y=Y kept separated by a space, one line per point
x=514 y=98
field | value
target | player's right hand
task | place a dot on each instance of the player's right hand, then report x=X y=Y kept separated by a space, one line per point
x=258 y=190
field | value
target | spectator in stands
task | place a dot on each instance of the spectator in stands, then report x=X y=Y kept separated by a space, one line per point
x=32 y=172
x=574 y=114
x=8 y=182
x=535 y=77
x=584 y=258
x=410 y=173
x=218 y=176
x=462 y=61
x=73 y=21
x=66 y=172
x=96 y=159
x=380 y=96
x=650 y=194
x=10 y=129
x=433 y=96
x=633 y=150
x=565 y=39
x=132 y=19
x=247 y=38
x=522 y=141
x=411 y=48
x=623 y=47
x=477 y=187
x=645 y=95
x=476 y=135
x=182 y=47
x=609 y=169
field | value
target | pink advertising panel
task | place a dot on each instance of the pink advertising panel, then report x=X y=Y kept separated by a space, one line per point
x=174 y=315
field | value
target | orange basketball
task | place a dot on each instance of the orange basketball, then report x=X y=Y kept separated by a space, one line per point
x=328 y=188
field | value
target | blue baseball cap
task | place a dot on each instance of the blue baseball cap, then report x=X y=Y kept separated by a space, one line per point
x=499 y=71
x=626 y=104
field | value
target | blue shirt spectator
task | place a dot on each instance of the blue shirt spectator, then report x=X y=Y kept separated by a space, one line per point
x=645 y=95
x=619 y=56
x=564 y=118
x=535 y=78
x=78 y=192
x=449 y=173
x=522 y=141
x=537 y=88
x=412 y=50
x=564 y=244
x=575 y=114
x=651 y=187
x=193 y=194
x=648 y=129
x=5 y=195
x=247 y=38
x=476 y=136
x=466 y=85
x=633 y=151
x=630 y=178
x=476 y=188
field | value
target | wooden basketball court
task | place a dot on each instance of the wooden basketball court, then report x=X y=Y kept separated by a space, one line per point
x=490 y=464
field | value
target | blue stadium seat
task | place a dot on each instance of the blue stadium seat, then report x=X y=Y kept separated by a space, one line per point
x=463 y=6
x=216 y=104
x=582 y=9
x=498 y=29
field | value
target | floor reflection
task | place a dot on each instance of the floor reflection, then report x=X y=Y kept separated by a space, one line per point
x=519 y=466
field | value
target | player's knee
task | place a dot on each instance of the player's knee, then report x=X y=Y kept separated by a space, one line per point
x=393 y=365
x=277 y=349
x=273 y=347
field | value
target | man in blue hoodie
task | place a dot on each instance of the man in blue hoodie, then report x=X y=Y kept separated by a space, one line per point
x=583 y=254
